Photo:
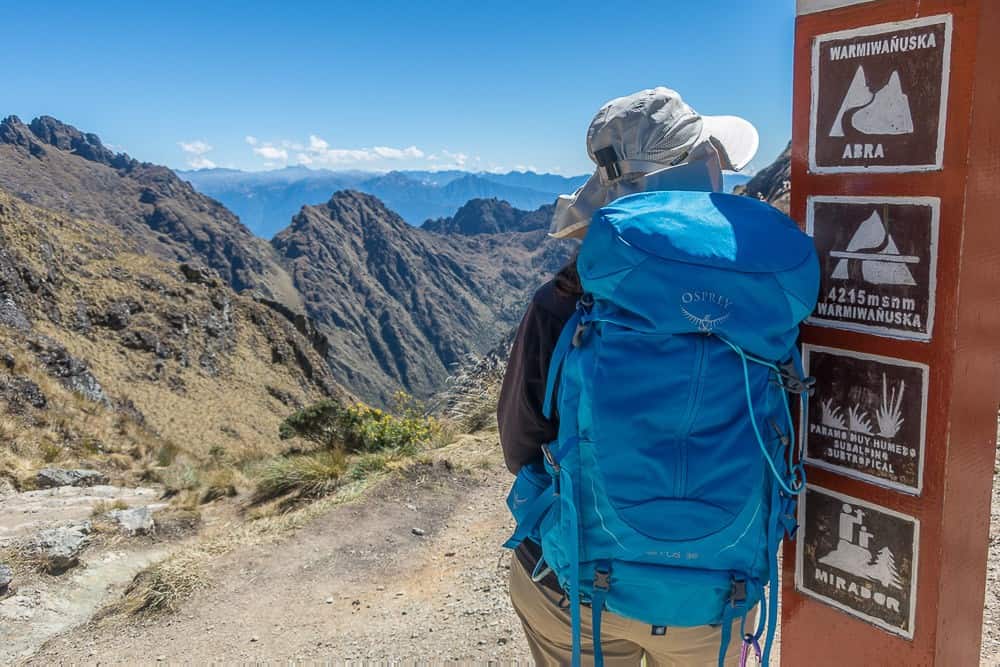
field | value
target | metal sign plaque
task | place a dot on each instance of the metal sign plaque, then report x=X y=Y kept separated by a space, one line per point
x=867 y=418
x=878 y=263
x=879 y=97
x=859 y=558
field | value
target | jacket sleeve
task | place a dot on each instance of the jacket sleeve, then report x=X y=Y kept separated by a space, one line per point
x=523 y=427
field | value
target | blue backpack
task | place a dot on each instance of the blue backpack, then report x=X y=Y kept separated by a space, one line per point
x=675 y=475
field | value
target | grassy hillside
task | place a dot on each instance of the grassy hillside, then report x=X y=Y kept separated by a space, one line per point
x=129 y=363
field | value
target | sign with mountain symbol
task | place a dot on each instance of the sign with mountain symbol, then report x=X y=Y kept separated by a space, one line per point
x=867 y=417
x=878 y=262
x=879 y=97
x=858 y=557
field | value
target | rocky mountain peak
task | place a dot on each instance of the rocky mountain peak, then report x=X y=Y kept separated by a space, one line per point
x=13 y=131
x=773 y=183
x=87 y=145
x=490 y=216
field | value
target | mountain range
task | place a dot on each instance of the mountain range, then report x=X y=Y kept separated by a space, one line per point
x=388 y=305
x=266 y=200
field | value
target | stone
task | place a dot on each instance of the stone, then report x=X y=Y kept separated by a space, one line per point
x=72 y=372
x=12 y=316
x=47 y=478
x=135 y=521
x=419 y=532
x=60 y=547
x=198 y=275
x=6 y=577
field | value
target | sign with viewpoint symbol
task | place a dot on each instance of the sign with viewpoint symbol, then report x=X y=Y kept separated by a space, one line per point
x=867 y=418
x=879 y=97
x=858 y=557
x=878 y=263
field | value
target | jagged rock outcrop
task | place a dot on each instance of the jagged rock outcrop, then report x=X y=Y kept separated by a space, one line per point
x=401 y=305
x=56 y=166
x=491 y=216
x=773 y=183
x=48 y=478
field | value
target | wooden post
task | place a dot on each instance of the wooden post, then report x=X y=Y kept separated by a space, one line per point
x=896 y=174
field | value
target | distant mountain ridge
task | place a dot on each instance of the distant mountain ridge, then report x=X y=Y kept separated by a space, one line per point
x=56 y=166
x=401 y=305
x=265 y=201
x=394 y=306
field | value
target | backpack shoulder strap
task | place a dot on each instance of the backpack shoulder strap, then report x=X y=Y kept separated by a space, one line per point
x=558 y=356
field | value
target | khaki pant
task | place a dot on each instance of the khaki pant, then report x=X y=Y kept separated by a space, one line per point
x=624 y=641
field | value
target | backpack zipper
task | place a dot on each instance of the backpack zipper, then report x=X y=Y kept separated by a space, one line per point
x=694 y=398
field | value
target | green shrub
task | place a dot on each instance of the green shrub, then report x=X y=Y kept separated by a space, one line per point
x=361 y=428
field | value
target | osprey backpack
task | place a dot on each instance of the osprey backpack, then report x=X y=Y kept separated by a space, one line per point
x=674 y=476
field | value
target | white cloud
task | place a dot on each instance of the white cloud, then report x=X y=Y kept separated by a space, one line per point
x=411 y=152
x=200 y=162
x=459 y=159
x=316 y=144
x=197 y=147
x=250 y=139
x=269 y=152
x=319 y=152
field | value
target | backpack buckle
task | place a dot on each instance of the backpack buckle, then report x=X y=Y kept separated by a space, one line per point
x=738 y=592
x=794 y=384
x=602 y=579
x=547 y=453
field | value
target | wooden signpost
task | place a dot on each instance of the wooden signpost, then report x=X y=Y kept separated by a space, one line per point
x=896 y=175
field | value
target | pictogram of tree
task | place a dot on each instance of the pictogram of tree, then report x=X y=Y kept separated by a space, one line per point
x=884 y=569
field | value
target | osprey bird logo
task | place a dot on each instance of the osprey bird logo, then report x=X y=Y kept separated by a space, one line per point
x=714 y=306
x=706 y=323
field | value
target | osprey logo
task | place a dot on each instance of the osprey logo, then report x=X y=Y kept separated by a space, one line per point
x=705 y=309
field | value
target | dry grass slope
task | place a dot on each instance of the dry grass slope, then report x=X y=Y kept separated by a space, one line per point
x=196 y=379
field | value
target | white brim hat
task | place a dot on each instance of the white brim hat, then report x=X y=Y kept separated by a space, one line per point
x=647 y=132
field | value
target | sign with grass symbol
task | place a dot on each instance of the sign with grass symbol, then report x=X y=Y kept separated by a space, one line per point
x=867 y=417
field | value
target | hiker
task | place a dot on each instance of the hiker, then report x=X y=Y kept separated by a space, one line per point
x=652 y=152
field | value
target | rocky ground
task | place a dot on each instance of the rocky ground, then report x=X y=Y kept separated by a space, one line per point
x=413 y=571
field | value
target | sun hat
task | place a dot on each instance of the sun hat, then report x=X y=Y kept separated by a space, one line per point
x=637 y=139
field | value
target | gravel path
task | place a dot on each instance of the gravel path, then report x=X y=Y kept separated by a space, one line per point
x=359 y=584
x=355 y=584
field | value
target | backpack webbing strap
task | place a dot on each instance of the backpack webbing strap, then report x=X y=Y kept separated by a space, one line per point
x=737 y=608
x=532 y=517
x=773 y=542
x=569 y=499
x=559 y=353
x=602 y=584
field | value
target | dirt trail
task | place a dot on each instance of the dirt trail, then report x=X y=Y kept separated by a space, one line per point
x=358 y=584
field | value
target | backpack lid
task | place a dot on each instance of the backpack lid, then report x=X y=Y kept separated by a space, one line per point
x=729 y=232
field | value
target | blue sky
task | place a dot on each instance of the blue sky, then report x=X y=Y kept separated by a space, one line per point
x=384 y=85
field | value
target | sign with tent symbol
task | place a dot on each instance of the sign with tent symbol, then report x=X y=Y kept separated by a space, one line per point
x=878 y=263
x=859 y=558
x=867 y=418
x=879 y=97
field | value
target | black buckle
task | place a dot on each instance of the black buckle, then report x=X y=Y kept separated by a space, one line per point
x=794 y=384
x=602 y=579
x=738 y=592
x=607 y=158
x=547 y=453
x=785 y=440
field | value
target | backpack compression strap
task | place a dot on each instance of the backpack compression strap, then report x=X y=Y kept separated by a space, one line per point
x=559 y=353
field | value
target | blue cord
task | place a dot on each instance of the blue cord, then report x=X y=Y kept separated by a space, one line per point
x=797 y=484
